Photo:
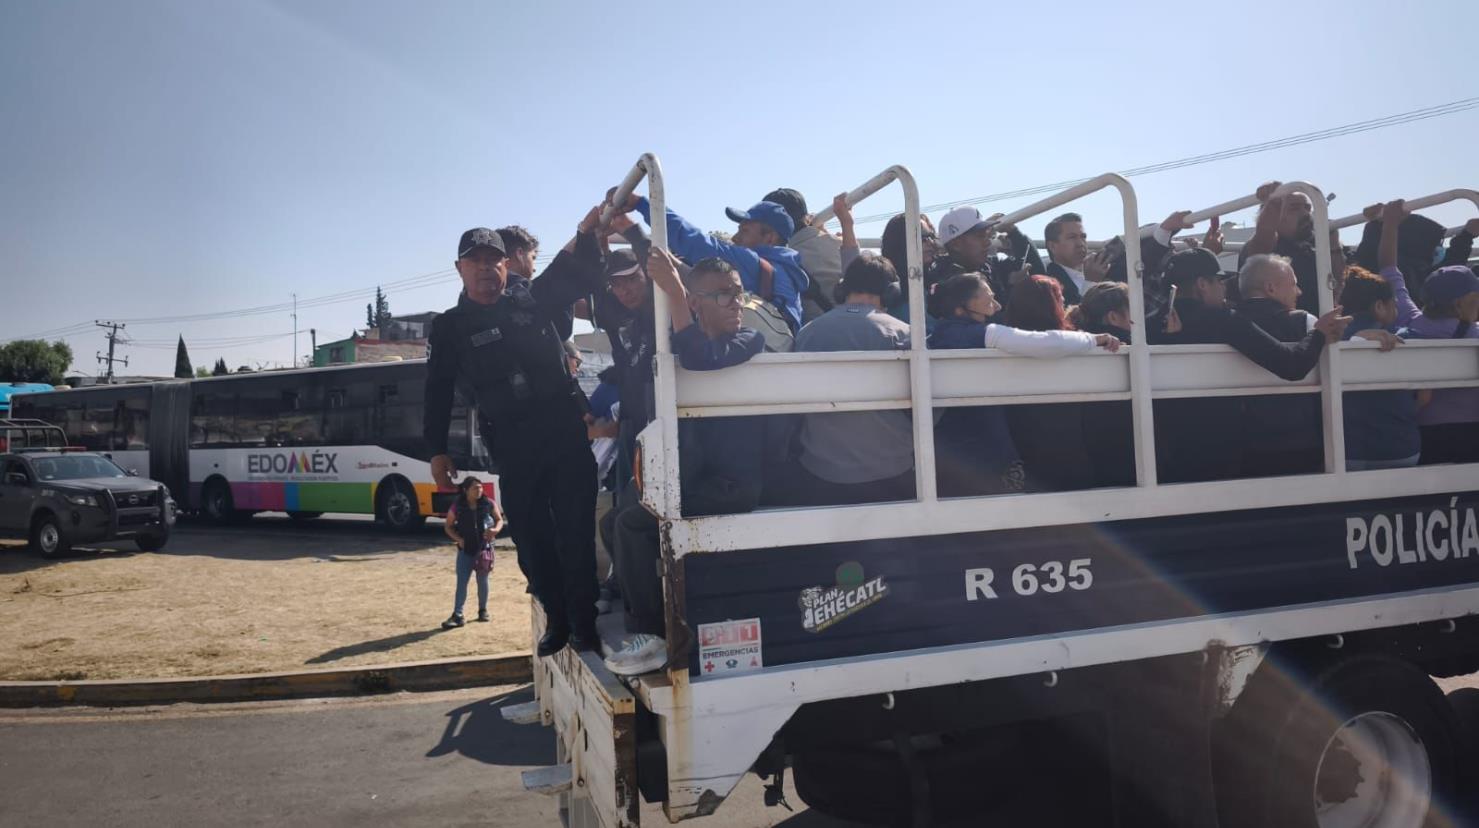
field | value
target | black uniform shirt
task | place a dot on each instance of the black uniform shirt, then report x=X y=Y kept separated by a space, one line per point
x=509 y=358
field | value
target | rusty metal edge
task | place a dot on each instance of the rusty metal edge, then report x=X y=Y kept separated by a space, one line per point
x=437 y=674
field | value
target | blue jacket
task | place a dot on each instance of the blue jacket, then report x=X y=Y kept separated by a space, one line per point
x=720 y=464
x=1379 y=425
x=975 y=436
x=692 y=244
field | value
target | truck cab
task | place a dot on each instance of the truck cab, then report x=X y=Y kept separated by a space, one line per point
x=1243 y=652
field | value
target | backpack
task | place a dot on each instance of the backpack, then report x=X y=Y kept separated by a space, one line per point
x=766 y=318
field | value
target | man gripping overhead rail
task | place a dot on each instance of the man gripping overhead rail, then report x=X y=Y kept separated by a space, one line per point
x=502 y=345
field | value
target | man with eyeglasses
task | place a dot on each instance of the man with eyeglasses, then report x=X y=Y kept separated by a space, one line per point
x=720 y=456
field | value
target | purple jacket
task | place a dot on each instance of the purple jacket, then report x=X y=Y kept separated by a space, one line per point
x=1449 y=405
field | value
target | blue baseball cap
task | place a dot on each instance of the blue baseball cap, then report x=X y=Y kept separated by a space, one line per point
x=768 y=213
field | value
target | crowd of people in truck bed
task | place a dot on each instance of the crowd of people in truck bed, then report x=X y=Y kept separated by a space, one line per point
x=781 y=282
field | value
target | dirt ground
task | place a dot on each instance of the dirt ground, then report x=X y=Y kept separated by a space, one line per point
x=266 y=596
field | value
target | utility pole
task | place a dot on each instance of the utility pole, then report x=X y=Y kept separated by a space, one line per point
x=113 y=328
x=294 y=363
x=313 y=345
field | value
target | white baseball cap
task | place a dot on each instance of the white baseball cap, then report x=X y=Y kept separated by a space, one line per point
x=960 y=221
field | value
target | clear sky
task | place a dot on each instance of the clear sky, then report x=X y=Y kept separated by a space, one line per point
x=161 y=158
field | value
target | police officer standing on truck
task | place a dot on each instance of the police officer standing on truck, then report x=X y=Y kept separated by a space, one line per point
x=501 y=345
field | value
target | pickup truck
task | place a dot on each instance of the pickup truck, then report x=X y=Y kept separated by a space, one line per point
x=57 y=499
x=1230 y=653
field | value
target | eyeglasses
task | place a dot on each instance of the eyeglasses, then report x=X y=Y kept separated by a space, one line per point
x=724 y=298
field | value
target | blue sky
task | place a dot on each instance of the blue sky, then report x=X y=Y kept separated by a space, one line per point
x=172 y=157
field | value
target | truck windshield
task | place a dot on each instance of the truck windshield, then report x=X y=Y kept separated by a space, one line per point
x=76 y=468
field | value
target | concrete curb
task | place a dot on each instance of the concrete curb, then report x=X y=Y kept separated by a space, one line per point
x=437 y=674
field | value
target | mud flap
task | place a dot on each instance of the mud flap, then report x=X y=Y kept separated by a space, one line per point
x=594 y=718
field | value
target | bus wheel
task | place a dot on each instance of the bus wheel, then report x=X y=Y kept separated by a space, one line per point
x=47 y=536
x=305 y=515
x=397 y=506
x=1368 y=740
x=217 y=502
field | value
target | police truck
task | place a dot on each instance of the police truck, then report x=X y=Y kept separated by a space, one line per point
x=1253 y=652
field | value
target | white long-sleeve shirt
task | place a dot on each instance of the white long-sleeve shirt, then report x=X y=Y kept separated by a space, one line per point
x=1038 y=343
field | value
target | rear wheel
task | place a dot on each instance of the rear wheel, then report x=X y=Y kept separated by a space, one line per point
x=1367 y=741
x=48 y=537
x=217 y=503
x=1465 y=704
x=397 y=506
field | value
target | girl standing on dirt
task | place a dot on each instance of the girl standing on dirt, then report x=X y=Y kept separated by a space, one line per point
x=473 y=521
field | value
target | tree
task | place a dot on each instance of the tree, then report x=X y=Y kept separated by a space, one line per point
x=220 y=370
x=377 y=314
x=35 y=360
x=182 y=361
x=201 y=372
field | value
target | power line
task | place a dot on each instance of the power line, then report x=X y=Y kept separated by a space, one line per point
x=400 y=285
x=443 y=276
x=209 y=343
x=1415 y=115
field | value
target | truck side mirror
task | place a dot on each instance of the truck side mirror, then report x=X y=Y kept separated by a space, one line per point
x=16 y=479
x=133 y=472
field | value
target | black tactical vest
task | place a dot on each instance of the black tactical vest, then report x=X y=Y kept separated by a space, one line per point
x=510 y=356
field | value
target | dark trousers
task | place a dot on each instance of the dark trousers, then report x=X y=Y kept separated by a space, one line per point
x=1450 y=443
x=550 y=503
x=638 y=570
x=799 y=487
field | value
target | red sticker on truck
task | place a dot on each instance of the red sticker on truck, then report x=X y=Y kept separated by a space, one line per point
x=730 y=647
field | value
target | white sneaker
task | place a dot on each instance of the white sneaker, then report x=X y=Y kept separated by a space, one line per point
x=641 y=653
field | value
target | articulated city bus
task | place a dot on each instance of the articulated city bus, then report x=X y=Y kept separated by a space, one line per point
x=345 y=439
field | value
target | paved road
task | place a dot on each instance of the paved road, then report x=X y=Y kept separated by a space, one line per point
x=412 y=759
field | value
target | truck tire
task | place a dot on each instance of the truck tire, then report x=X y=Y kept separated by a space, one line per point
x=1366 y=740
x=151 y=543
x=395 y=503
x=1465 y=704
x=48 y=537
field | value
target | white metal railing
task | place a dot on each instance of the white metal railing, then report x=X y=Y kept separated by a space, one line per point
x=1416 y=204
x=920 y=381
x=669 y=492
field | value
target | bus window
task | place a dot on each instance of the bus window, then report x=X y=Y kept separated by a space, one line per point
x=133 y=425
x=345 y=416
x=213 y=419
x=300 y=417
x=256 y=414
x=70 y=419
x=96 y=431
